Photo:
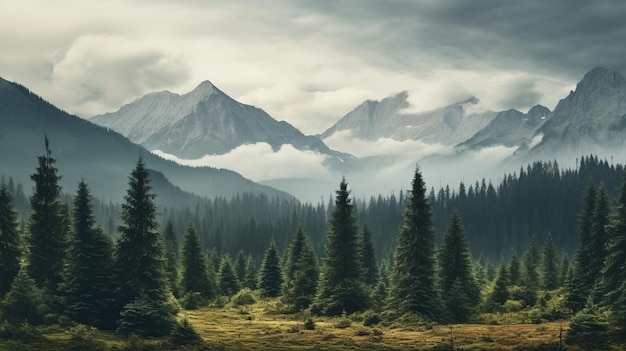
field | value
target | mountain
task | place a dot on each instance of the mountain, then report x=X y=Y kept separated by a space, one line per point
x=391 y=118
x=509 y=128
x=101 y=156
x=591 y=119
x=203 y=121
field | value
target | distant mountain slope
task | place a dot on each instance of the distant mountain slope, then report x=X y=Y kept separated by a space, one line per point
x=391 y=118
x=509 y=128
x=591 y=119
x=84 y=150
x=203 y=121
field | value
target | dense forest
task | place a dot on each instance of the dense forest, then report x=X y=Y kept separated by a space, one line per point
x=545 y=244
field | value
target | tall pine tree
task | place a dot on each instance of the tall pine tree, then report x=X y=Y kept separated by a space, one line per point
x=301 y=272
x=341 y=286
x=270 y=275
x=549 y=265
x=9 y=242
x=412 y=279
x=140 y=265
x=455 y=266
x=89 y=283
x=48 y=234
x=368 y=257
x=172 y=258
x=195 y=276
x=613 y=273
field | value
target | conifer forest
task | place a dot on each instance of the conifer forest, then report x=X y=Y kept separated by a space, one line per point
x=544 y=246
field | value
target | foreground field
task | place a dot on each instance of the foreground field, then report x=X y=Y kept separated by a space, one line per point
x=253 y=329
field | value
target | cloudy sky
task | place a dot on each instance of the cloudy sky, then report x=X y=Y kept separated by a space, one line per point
x=308 y=62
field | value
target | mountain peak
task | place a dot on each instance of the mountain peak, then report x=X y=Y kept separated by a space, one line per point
x=600 y=76
x=205 y=88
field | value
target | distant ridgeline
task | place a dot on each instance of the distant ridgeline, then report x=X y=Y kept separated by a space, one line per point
x=535 y=201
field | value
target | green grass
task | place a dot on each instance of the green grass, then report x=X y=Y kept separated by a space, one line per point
x=260 y=327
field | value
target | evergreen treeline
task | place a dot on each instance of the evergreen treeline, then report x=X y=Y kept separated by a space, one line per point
x=61 y=264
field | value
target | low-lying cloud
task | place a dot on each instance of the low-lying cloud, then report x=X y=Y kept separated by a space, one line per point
x=259 y=162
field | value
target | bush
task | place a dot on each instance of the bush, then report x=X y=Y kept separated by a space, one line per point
x=146 y=317
x=589 y=327
x=309 y=324
x=512 y=306
x=243 y=297
x=83 y=338
x=193 y=301
x=23 y=332
x=343 y=323
x=371 y=318
x=185 y=334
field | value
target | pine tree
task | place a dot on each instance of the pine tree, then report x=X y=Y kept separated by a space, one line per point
x=455 y=267
x=24 y=302
x=529 y=281
x=172 y=258
x=549 y=266
x=514 y=268
x=341 y=286
x=582 y=282
x=613 y=273
x=500 y=293
x=240 y=266
x=195 y=277
x=368 y=257
x=564 y=269
x=9 y=242
x=48 y=235
x=139 y=261
x=228 y=284
x=89 y=283
x=301 y=272
x=270 y=275
x=597 y=243
x=251 y=280
x=412 y=280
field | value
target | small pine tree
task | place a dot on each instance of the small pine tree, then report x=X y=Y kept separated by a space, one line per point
x=228 y=284
x=514 y=268
x=24 y=302
x=240 y=266
x=89 y=283
x=500 y=293
x=455 y=267
x=270 y=276
x=564 y=269
x=301 y=282
x=368 y=257
x=195 y=277
x=251 y=280
x=413 y=277
x=9 y=242
x=172 y=258
x=549 y=266
x=529 y=281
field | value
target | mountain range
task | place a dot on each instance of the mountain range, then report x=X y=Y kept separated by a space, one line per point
x=206 y=121
x=100 y=156
x=392 y=118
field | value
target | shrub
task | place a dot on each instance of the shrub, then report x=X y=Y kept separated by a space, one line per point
x=83 y=338
x=243 y=297
x=343 y=323
x=371 y=318
x=185 y=334
x=193 y=301
x=309 y=324
x=512 y=306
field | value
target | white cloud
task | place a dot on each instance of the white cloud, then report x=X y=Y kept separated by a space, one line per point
x=414 y=149
x=259 y=162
